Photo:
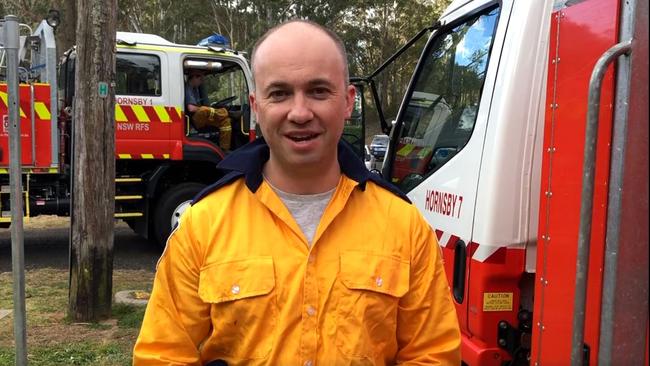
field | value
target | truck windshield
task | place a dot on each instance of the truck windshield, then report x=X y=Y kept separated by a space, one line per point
x=442 y=107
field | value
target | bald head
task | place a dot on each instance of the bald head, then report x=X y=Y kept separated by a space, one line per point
x=301 y=31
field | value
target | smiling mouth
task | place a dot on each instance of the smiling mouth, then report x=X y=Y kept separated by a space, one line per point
x=301 y=138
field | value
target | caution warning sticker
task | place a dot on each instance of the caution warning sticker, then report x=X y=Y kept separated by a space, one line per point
x=497 y=301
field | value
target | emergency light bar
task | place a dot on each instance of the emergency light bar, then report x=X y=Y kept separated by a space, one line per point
x=215 y=39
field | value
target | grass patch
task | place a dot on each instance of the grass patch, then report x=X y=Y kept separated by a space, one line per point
x=128 y=316
x=53 y=339
x=82 y=353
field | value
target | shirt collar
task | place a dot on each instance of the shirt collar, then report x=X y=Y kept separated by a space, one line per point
x=249 y=160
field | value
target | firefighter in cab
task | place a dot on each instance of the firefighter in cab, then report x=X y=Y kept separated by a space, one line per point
x=202 y=115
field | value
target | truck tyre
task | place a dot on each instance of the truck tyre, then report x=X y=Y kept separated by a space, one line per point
x=171 y=205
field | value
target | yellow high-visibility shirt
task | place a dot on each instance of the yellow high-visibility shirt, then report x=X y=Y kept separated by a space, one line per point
x=239 y=283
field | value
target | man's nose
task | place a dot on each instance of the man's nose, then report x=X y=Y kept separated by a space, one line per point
x=300 y=111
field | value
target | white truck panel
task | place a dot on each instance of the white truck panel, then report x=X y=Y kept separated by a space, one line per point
x=507 y=208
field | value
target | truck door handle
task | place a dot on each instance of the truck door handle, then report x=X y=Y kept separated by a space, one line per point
x=460 y=262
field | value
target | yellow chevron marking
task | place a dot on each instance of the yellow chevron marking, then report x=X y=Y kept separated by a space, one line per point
x=162 y=114
x=165 y=156
x=140 y=113
x=41 y=111
x=405 y=150
x=4 y=171
x=146 y=156
x=124 y=156
x=53 y=170
x=119 y=114
x=4 y=97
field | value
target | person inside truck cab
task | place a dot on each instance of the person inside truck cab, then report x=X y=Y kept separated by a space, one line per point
x=299 y=255
x=202 y=115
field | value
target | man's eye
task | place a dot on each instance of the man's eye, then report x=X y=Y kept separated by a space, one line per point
x=320 y=92
x=278 y=95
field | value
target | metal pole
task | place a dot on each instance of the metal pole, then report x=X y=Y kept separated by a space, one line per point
x=623 y=288
x=15 y=177
x=587 y=197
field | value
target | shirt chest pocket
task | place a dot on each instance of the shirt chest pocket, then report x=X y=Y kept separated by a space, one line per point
x=371 y=285
x=244 y=308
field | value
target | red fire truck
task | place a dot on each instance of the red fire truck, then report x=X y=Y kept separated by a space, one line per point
x=491 y=143
x=162 y=160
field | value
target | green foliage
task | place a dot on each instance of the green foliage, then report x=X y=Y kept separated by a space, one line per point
x=371 y=30
x=28 y=12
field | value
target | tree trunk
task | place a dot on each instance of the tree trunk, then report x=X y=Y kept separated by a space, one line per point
x=66 y=38
x=93 y=167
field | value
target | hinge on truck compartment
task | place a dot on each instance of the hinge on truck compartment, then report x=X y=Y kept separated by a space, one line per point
x=516 y=340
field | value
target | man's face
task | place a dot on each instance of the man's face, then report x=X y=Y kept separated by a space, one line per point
x=196 y=79
x=301 y=98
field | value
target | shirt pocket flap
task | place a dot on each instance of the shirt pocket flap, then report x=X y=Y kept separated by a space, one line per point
x=374 y=272
x=238 y=279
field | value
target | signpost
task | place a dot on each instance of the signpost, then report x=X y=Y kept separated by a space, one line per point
x=11 y=46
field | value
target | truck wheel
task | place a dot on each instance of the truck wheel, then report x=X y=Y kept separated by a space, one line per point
x=170 y=207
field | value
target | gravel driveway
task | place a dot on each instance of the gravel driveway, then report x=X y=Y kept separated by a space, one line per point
x=46 y=241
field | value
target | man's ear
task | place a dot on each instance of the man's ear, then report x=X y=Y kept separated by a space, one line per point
x=253 y=102
x=350 y=94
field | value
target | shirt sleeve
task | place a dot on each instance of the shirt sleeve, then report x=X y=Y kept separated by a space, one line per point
x=176 y=320
x=190 y=96
x=427 y=327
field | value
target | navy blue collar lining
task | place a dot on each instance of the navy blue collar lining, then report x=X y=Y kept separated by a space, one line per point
x=249 y=160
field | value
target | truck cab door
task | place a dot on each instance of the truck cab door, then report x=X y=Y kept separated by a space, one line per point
x=142 y=120
x=437 y=143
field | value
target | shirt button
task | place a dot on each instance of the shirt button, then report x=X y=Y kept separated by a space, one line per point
x=234 y=289
x=311 y=311
x=379 y=281
x=311 y=258
x=309 y=363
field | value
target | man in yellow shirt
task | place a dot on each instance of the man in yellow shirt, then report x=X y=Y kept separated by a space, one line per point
x=299 y=255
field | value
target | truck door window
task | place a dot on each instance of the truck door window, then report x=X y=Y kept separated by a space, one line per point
x=224 y=85
x=441 y=109
x=137 y=74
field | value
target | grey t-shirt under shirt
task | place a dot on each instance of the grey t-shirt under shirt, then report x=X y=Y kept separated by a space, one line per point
x=306 y=209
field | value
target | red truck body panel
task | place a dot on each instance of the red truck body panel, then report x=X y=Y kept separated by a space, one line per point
x=36 y=139
x=572 y=59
